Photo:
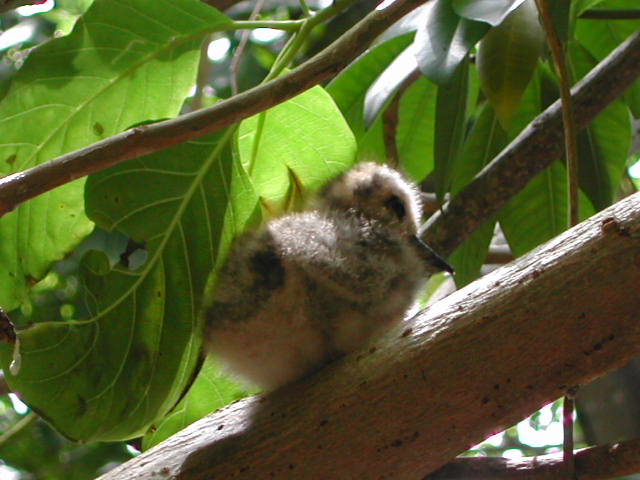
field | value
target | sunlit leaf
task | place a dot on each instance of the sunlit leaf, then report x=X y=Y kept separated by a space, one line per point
x=294 y=147
x=125 y=62
x=110 y=376
x=209 y=392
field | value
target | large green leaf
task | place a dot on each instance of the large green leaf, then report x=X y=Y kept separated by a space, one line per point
x=451 y=118
x=414 y=133
x=125 y=62
x=295 y=147
x=415 y=130
x=604 y=145
x=350 y=87
x=579 y=6
x=538 y=212
x=507 y=57
x=387 y=84
x=209 y=392
x=110 y=376
x=444 y=39
x=601 y=36
x=485 y=140
x=489 y=11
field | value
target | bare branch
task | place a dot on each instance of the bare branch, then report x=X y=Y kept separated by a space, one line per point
x=595 y=463
x=612 y=14
x=537 y=146
x=21 y=186
x=4 y=386
x=476 y=362
x=222 y=4
x=6 y=5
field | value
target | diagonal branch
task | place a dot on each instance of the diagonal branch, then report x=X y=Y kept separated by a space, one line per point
x=21 y=186
x=537 y=146
x=481 y=359
x=594 y=463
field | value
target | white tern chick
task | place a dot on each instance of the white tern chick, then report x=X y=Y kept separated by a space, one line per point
x=309 y=287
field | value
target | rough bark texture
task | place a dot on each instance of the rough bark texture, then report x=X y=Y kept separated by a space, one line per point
x=534 y=149
x=471 y=365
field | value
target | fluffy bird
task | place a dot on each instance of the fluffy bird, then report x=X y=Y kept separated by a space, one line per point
x=312 y=286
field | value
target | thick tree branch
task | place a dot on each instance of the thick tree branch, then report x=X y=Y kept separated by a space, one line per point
x=21 y=186
x=537 y=146
x=595 y=463
x=476 y=362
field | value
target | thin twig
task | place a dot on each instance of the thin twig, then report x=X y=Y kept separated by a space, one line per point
x=4 y=386
x=571 y=149
x=611 y=14
x=203 y=75
x=568 y=458
x=244 y=39
x=571 y=153
x=593 y=463
x=20 y=425
x=390 y=119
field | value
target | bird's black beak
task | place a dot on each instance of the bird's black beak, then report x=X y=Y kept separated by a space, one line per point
x=431 y=258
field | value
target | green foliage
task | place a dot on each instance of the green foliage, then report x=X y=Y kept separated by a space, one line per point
x=34 y=447
x=444 y=39
x=124 y=63
x=113 y=345
x=210 y=390
x=319 y=146
x=507 y=57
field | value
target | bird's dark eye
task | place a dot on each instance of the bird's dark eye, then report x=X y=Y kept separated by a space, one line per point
x=394 y=204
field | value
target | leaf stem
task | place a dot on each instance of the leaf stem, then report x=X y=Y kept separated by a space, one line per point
x=568 y=122
x=305 y=8
x=20 y=425
x=611 y=14
x=292 y=47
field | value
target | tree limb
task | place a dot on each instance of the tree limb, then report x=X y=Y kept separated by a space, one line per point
x=534 y=149
x=476 y=362
x=595 y=463
x=21 y=186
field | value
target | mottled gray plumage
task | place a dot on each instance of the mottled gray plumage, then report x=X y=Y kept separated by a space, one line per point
x=309 y=287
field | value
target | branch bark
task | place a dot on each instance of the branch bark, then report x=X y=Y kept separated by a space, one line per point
x=595 y=463
x=21 y=186
x=471 y=365
x=537 y=146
